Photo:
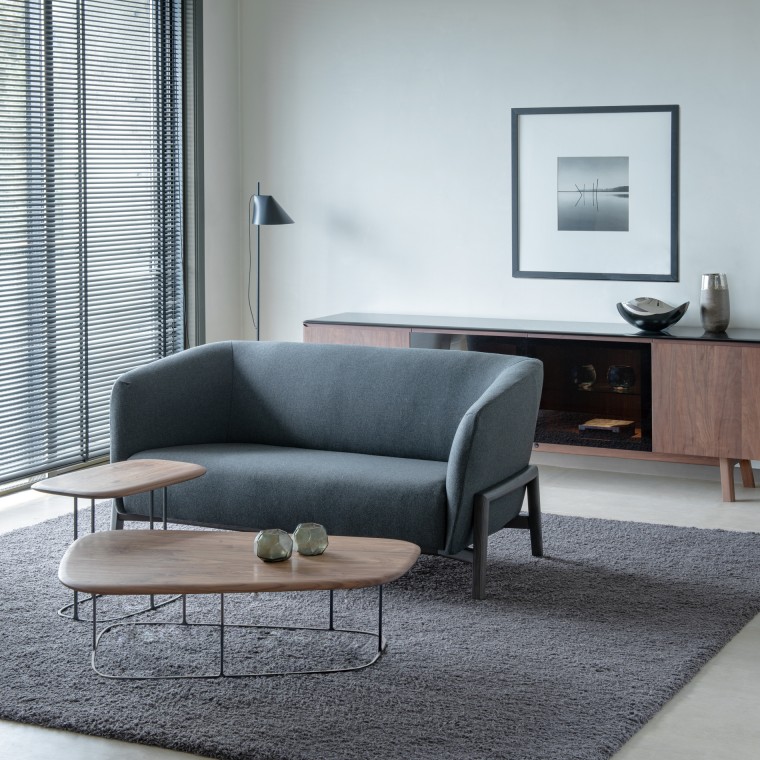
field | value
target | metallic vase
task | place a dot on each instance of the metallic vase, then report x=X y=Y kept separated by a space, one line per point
x=714 y=306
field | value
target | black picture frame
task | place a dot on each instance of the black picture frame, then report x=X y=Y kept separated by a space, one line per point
x=644 y=250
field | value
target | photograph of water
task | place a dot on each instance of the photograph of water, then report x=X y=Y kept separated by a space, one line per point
x=592 y=193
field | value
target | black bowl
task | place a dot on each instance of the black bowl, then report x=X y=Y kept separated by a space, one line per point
x=653 y=322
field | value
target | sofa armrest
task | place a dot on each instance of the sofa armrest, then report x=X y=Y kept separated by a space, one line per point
x=181 y=399
x=493 y=442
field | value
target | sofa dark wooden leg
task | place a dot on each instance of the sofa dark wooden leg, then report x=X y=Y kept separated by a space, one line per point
x=534 y=518
x=117 y=521
x=481 y=507
x=480 y=546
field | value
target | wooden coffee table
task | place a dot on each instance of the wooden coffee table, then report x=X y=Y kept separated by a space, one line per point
x=116 y=480
x=222 y=562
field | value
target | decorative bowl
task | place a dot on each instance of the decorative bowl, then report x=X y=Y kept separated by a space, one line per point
x=651 y=314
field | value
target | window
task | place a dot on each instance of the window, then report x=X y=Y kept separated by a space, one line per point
x=91 y=216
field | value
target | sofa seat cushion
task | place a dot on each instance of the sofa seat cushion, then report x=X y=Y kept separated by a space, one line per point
x=254 y=486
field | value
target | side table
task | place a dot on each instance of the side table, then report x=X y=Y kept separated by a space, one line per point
x=116 y=480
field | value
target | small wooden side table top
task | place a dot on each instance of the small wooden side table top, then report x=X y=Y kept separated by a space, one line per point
x=118 y=479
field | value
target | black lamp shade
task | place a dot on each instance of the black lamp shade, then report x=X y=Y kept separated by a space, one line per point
x=266 y=210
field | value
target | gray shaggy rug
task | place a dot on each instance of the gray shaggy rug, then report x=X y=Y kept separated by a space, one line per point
x=567 y=657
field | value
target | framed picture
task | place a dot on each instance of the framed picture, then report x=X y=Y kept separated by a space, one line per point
x=595 y=193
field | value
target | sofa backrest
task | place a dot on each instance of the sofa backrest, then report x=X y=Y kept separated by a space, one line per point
x=384 y=401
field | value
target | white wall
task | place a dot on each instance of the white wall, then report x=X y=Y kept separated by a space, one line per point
x=383 y=128
x=222 y=170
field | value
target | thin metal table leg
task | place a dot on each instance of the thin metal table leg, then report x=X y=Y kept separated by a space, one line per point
x=75 y=615
x=163 y=505
x=184 y=609
x=332 y=627
x=94 y=626
x=152 y=597
x=380 y=618
x=92 y=530
x=221 y=635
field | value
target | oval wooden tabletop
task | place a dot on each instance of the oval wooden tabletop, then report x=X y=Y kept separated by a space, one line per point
x=108 y=481
x=212 y=562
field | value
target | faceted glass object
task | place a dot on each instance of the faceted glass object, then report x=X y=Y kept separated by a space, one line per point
x=273 y=545
x=310 y=539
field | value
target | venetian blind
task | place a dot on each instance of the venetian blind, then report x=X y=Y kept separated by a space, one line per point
x=90 y=216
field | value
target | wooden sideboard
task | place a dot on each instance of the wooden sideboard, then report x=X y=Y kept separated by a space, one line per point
x=693 y=397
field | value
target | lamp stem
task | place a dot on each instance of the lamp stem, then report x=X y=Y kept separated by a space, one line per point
x=258 y=282
x=258 y=272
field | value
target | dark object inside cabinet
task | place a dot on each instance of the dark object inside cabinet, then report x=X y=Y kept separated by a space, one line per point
x=596 y=393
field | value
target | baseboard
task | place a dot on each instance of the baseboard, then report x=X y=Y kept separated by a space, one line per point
x=631 y=466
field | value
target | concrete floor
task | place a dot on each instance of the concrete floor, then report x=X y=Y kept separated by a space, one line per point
x=715 y=717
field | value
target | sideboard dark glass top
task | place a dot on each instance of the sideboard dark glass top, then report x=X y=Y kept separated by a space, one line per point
x=486 y=324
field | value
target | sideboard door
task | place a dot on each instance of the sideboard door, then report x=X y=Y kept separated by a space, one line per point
x=751 y=402
x=357 y=335
x=697 y=399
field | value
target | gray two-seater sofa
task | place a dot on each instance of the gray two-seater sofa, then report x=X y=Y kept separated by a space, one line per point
x=425 y=445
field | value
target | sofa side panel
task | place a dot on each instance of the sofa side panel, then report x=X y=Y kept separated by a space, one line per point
x=493 y=443
x=179 y=400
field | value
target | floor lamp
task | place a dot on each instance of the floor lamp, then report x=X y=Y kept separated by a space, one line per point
x=263 y=209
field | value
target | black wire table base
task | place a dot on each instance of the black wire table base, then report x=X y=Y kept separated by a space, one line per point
x=222 y=626
x=69 y=608
x=74 y=606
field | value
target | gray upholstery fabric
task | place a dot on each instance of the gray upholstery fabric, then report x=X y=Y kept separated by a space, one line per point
x=252 y=486
x=493 y=442
x=472 y=414
x=403 y=402
x=182 y=399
